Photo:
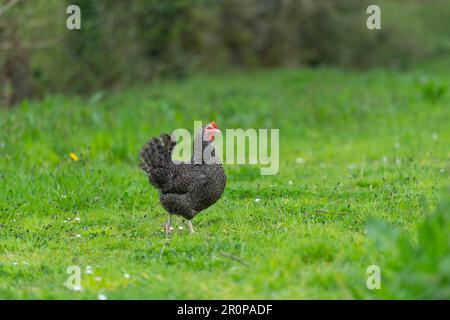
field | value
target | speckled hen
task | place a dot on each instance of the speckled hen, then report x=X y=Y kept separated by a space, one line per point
x=185 y=189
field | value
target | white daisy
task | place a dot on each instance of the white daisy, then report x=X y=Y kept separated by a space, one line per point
x=89 y=270
x=102 y=296
x=434 y=136
x=77 y=288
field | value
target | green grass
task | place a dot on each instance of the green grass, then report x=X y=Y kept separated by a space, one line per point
x=354 y=146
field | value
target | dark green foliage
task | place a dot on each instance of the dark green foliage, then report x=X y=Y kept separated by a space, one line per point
x=87 y=50
x=416 y=269
x=432 y=90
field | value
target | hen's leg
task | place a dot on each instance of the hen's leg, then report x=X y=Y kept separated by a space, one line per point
x=167 y=225
x=191 y=228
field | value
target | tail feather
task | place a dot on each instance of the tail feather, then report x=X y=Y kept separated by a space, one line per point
x=156 y=160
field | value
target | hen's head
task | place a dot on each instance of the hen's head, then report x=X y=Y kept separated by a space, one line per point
x=210 y=131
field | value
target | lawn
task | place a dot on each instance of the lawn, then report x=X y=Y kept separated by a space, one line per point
x=353 y=145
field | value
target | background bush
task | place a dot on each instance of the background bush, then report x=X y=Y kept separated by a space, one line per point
x=139 y=40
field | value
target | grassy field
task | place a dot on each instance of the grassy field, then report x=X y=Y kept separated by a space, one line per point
x=353 y=146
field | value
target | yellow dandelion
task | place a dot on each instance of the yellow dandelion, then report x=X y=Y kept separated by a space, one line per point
x=73 y=156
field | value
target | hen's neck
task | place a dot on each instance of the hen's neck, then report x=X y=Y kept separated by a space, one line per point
x=203 y=151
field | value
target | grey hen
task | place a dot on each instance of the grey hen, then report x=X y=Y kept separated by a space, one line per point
x=185 y=189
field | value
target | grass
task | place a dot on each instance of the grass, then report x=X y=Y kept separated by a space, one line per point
x=354 y=145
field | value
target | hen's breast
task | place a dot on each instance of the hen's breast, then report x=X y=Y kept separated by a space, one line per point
x=211 y=191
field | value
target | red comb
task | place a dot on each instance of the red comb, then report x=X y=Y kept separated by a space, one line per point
x=213 y=124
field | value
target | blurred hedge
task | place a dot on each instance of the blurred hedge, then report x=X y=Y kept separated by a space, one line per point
x=123 y=42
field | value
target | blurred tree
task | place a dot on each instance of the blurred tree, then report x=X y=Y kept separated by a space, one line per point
x=123 y=42
x=15 y=72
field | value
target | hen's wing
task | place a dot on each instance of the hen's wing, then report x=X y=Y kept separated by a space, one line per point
x=185 y=179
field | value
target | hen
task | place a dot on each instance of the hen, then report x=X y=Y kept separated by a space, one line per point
x=185 y=189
